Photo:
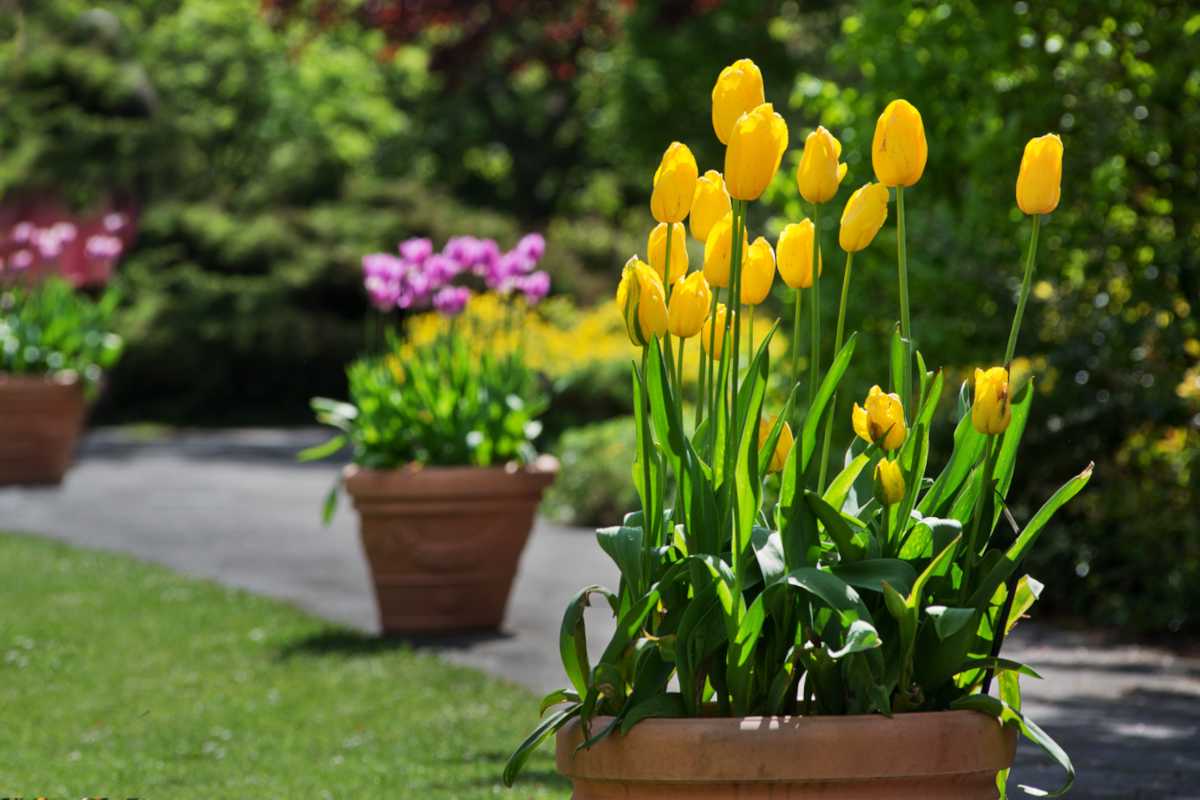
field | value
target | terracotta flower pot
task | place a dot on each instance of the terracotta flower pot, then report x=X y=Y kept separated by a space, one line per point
x=950 y=755
x=40 y=421
x=443 y=543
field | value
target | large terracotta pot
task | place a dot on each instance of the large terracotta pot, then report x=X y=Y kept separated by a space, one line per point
x=950 y=755
x=40 y=421
x=443 y=543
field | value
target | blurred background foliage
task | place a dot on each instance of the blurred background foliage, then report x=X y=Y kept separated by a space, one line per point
x=268 y=144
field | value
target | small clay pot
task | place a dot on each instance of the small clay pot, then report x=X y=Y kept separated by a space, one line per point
x=40 y=421
x=949 y=755
x=443 y=543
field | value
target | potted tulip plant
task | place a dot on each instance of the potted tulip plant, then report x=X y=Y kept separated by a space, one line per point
x=842 y=641
x=56 y=341
x=445 y=476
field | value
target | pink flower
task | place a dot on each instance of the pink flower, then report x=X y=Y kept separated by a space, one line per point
x=21 y=260
x=102 y=247
x=114 y=221
x=22 y=232
x=451 y=300
x=534 y=286
x=416 y=250
x=532 y=246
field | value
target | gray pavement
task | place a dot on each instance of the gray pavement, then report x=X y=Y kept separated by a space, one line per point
x=233 y=506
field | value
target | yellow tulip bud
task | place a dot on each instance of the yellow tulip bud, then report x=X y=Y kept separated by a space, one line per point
x=819 y=173
x=1039 y=182
x=793 y=253
x=656 y=251
x=758 y=272
x=739 y=88
x=755 y=149
x=674 y=184
x=991 y=412
x=783 y=445
x=690 y=302
x=889 y=482
x=881 y=422
x=641 y=300
x=709 y=204
x=863 y=216
x=717 y=250
x=899 y=149
x=712 y=336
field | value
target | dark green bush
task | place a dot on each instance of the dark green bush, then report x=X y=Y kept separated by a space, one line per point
x=594 y=486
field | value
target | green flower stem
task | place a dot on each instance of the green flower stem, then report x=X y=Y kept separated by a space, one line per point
x=679 y=374
x=837 y=346
x=814 y=363
x=796 y=339
x=750 y=336
x=667 y=299
x=702 y=399
x=905 y=319
x=991 y=449
x=1025 y=284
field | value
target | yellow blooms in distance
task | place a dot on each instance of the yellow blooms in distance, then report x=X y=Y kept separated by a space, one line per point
x=991 y=412
x=899 y=149
x=688 y=310
x=820 y=173
x=1039 y=182
x=863 y=216
x=656 y=251
x=755 y=148
x=642 y=302
x=793 y=253
x=712 y=336
x=783 y=445
x=739 y=89
x=889 y=482
x=709 y=204
x=674 y=184
x=717 y=250
x=758 y=272
x=881 y=422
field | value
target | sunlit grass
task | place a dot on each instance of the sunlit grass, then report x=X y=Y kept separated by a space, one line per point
x=121 y=679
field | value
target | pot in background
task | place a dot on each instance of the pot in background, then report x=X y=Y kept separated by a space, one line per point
x=947 y=755
x=443 y=543
x=41 y=418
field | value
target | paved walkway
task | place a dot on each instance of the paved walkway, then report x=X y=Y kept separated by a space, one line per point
x=236 y=508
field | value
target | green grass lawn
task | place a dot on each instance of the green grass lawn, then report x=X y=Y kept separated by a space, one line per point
x=121 y=679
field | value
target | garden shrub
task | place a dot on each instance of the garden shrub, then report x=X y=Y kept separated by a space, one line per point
x=594 y=482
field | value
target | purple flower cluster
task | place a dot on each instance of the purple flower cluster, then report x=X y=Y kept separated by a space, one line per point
x=419 y=277
x=82 y=251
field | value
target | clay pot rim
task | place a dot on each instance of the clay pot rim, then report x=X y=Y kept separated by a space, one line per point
x=544 y=464
x=66 y=379
x=796 y=748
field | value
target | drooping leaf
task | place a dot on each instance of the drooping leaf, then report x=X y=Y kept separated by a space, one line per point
x=1001 y=711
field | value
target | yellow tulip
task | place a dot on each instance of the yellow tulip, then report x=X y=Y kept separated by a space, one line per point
x=717 y=250
x=991 y=412
x=755 y=148
x=709 y=204
x=1039 y=182
x=713 y=340
x=690 y=301
x=641 y=300
x=899 y=149
x=783 y=445
x=739 y=88
x=863 y=216
x=656 y=251
x=889 y=482
x=758 y=272
x=882 y=420
x=674 y=184
x=793 y=253
x=819 y=173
